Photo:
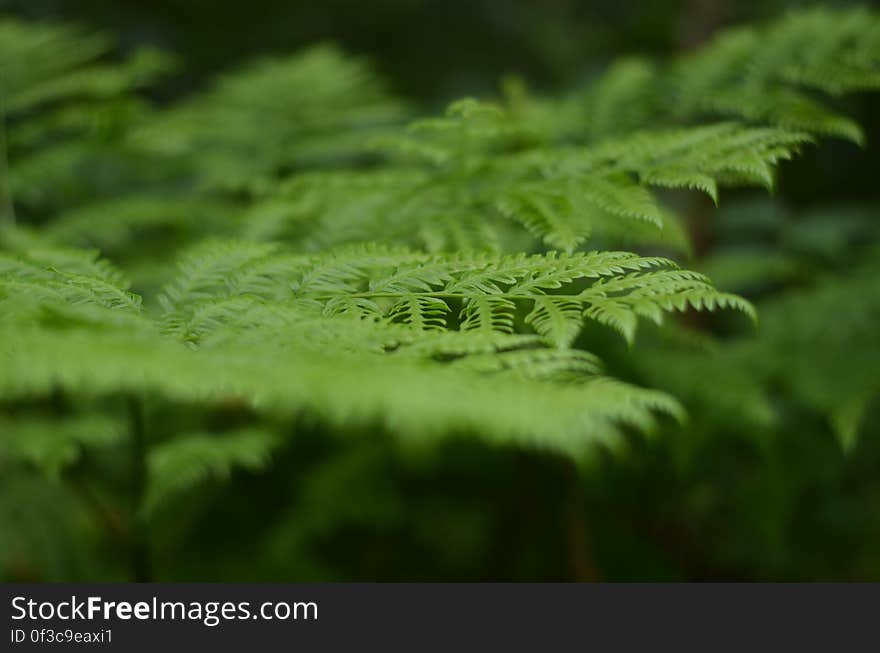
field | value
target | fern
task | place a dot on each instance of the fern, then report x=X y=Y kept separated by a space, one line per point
x=815 y=320
x=184 y=462
x=778 y=74
x=562 y=195
x=827 y=51
x=64 y=105
x=290 y=257
x=483 y=166
x=277 y=114
x=411 y=294
x=53 y=445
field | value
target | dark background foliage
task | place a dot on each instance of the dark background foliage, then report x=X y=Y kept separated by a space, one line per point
x=723 y=497
x=434 y=50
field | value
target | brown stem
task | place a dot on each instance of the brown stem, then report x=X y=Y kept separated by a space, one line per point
x=109 y=517
x=583 y=566
x=141 y=563
x=7 y=207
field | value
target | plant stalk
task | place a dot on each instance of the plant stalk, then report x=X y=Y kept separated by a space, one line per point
x=141 y=560
x=7 y=206
x=583 y=566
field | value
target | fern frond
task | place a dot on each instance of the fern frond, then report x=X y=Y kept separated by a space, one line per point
x=67 y=108
x=778 y=74
x=547 y=215
x=185 y=461
x=488 y=313
x=54 y=444
x=69 y=276
x=204 y=273
x=756 y=73
x=419 y=288
x=556 y=319
x=51 y=62
x=620 y=100
x=562 y=195
x=277 y=113
x=421 y=312
x=472 y=331
x=561 y=365
x=252 y=337
x=408 y=398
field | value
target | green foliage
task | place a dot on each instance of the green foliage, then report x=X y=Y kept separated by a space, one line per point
x=278 y=115
x=184 y=462
x=776 y=74
x=282 y=333
x=479 y=169
x=304 y=261
x=67 y=110
x=807 y=337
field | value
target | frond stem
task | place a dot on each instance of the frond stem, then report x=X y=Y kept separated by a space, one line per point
x=141 y=563
x=7 y=206
x=450 y=295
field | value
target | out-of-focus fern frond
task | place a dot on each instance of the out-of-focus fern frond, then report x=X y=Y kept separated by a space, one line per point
x=410 y=399
x=772 y=75
x=759 y=74
x=53 y=444
x=804 y=348
x=44 y=64
x=478 y=170
x=188 y=460
x=67 y=107
x=276 y=115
